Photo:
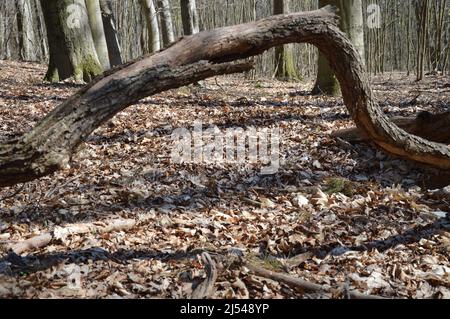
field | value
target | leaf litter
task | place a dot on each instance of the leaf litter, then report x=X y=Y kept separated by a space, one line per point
x=125 y=222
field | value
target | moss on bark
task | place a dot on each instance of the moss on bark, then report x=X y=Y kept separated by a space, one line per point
x=87 y=69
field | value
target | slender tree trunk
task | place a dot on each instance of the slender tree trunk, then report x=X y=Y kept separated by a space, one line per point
x=72 y=50
x=422 y=18
x=26 y=32
x=50 y=145
x=110 y=27
x=189 y=17
x=151 y=17
x=41 y=31
x=166 y=22
x=98 y=32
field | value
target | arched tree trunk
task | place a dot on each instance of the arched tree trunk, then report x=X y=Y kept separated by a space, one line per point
x=433 y=127
x=50 y=145
x=351 y=23
x=72 y=50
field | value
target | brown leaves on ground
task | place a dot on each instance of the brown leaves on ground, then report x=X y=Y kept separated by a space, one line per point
x=335 y=214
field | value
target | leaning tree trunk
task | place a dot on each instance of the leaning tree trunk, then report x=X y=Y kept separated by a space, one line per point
x=98 y=32
x=50 y=145
x=110 y=27
x=72 y=50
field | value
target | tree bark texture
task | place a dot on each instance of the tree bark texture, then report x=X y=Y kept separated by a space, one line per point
x=165 y=14
x=72 y=49
x=112 y=38
x=98 y=32
x=189 y=17
x=151 y=17
x=351 y=23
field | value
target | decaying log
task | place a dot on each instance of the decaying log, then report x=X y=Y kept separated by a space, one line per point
x=433 y=127
x=50 y=145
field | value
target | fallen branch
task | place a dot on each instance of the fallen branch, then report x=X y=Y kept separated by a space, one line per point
x=300 y=283
x=33 y=243
x=433 y=127
x=61 y=233
x=206 y=288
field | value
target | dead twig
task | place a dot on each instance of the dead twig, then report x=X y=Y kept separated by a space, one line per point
x=13 y=194
x=300 y=283
x=206 y=288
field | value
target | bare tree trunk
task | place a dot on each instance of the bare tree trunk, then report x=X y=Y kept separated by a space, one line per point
x=50 y=145
x=352 y=24
x=284 y=57
x=72 y=50
x=26 y=32
x=422 y=17
x=110 y=27
x=98 y=32
x=166 y=22
x=151 y=16
x=189 y=17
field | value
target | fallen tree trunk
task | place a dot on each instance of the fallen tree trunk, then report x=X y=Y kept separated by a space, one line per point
x=433 y=127
x=50 y=145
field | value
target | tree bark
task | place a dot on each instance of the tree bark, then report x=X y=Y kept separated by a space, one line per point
x=352 y=24
x=26 y=32
x=110 y=27
x=50 y=145
x=189 y=17
x=284 y=57
x=98 y=32
x=151 y=17
x=166 y=22
x=422 y=30
x=72 y=50
x=433 y=127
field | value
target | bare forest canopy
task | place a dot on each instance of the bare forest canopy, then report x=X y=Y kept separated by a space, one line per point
x=390 y=47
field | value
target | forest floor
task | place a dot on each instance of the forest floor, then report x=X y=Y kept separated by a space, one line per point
x=343 y=216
